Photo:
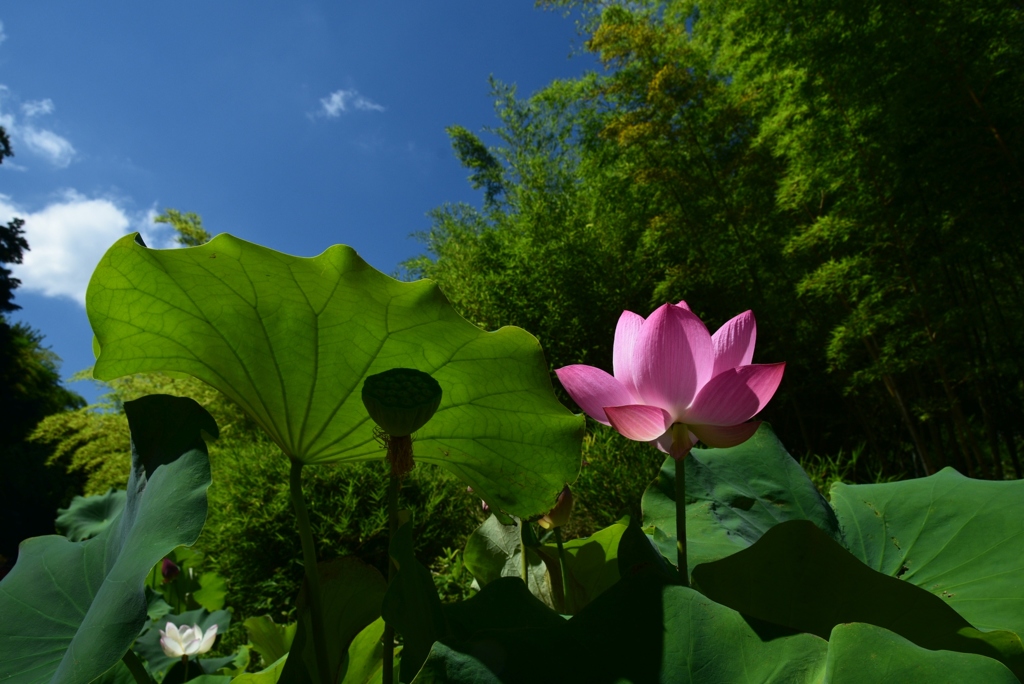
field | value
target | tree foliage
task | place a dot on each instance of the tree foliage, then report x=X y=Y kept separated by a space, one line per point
x=851 y=173
x=30 y=389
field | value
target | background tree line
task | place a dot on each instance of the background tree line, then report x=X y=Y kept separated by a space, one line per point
x=30 y=389
x=850 y=172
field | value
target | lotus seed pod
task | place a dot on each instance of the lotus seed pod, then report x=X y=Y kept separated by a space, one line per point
x=401 y=400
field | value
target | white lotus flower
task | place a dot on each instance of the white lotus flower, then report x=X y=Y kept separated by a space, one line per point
x=188 y=641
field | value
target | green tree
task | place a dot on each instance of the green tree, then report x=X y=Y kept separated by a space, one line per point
x=863 y=200
x=30 y=389
x=189 y=227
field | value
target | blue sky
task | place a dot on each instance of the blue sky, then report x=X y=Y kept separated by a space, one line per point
x=295 y=125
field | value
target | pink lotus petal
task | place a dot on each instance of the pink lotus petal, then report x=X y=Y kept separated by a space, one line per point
x=664 y=443
x=734 y=343
x=593 y=389
x=682 y=303
x=735 y=396
x=638 y=422
x=626 y=332
x=672 y=359
x=725 y=436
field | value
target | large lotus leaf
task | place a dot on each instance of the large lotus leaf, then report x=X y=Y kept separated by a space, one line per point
x=444 y=665
x=865 y=654
x=72 y=609
x=148 y=643
x=352 y=593
x=799 y=577
x=961 y=539
x=495 y=550
x=87 y=516
x=291 y=340
x=733 y=496
x=640 y=630
x=119 y=674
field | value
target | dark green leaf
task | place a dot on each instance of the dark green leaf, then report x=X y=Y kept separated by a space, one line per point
x=798 y=576
x=71 y=610
x=733 y=497
x=87 y=516
x=352 y=594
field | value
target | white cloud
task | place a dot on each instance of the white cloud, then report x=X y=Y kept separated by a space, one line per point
x=341 y=101
x=37 y=107
x=42 y=142
x=3 y=36
x=68 y=237
x=47 y=144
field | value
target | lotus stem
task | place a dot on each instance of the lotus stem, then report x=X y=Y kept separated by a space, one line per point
x=136 y=667
x=314 y=595
x=394 y=485
x=684 y=571
x=566 y=591
x=522 y=550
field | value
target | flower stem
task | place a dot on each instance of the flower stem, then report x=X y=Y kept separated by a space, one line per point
x=314 y=594
x=566 y=591
x=136 y=667
x=394 y=484
x=684 y=571
x=522 y=550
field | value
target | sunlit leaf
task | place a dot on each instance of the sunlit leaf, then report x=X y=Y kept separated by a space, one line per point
x=291 y=340
x=960 y=539
x=866 y=654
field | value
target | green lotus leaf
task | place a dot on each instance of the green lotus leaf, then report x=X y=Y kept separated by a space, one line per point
x=365 y=661
x=87 y=516
x=72 y=609
x=799 y=577
x=268 y=675
x=495 y=550
x=865 y=654
x=271 y=640
x=640 y=630
x=960 y=539
x=733 y=496
x=291 y=340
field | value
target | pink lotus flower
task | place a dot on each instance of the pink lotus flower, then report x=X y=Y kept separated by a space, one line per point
x=674 y=383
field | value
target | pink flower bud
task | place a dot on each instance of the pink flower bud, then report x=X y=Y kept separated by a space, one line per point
x=169 y=570
x=559 y=515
